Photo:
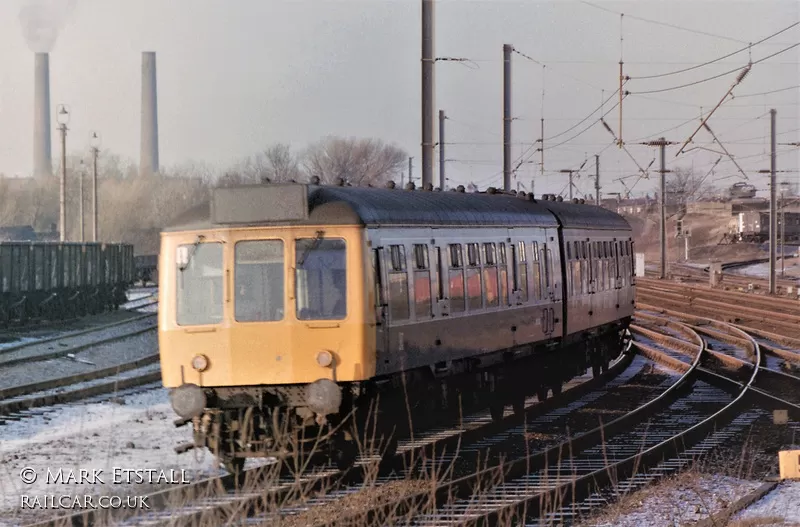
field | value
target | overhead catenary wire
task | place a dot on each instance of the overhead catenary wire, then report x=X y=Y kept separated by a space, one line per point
x=687 y=85
x=707 y=63
x=665 y=24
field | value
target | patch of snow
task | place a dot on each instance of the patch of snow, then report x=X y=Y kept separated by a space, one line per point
x=680 y=501
x=761 y=270
x=138 y=434
x=782 y=503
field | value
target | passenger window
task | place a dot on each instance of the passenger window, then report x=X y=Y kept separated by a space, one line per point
x=456 y=279
x=422 y=283
x=473 y=273
x=490 y=275
x=522 y=271
x=398 y=285
x=258 y=280
x=199 y=285
x=320 y=279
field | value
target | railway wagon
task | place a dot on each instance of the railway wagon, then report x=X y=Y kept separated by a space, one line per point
x=753 y=226
x=287 y=307
x=146 y=268
x=57 y=280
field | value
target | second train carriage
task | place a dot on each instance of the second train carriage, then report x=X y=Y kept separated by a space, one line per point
x=57 y=280
x=284 y=306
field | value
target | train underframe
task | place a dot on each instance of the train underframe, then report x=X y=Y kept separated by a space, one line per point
x=265 y=421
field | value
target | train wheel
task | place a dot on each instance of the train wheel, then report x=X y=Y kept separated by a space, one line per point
x=556 y=389
x=596 y=370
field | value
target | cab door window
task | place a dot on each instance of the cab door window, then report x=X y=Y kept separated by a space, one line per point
x=320 y=279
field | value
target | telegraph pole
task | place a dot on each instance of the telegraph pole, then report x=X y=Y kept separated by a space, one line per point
x=597 y=179
x=773 y=216
x=570 y=172
x=662 y=198
x=507 y=49
x=441 y=149
x=428 y=60
x=63 y=118
x=80 y=204
x=95 y=142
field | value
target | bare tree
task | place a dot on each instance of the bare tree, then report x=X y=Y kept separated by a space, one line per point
x=684 y=186
x=282 y=163
x=359 y=162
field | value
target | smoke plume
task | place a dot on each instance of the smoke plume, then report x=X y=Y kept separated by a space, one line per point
x=42 y=20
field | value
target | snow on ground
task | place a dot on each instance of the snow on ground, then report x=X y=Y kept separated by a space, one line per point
x=677 y=501
x=138 y=434
x=783 y=503
x=761 y=270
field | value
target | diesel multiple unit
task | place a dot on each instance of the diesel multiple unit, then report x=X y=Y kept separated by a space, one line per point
x=58 y=280
x=289 y=308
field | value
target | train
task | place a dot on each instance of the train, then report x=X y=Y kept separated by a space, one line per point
x=302 y=310
x=52 y=280
x=753 y=226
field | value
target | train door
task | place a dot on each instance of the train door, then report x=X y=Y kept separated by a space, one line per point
x=381 y=305
x=441 y=272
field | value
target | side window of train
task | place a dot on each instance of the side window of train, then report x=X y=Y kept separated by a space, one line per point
x=422 y=282
x=398 y=284
x=490 y=275
x=455 y=277
x=536 y=272
x=502 y=265
x=473 y=272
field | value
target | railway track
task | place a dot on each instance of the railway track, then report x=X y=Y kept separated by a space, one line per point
x=603 y=463
x=750 y=312
x=19 y=400
x=473 y=448
x=203 y=501
x=724 y=378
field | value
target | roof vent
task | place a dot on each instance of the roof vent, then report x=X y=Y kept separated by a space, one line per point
x=530 y=197
x=583 y=201
x=339 y=182
x=560 y=199
x=461 y=189
x=315 y=180
x=429 y=187
x=391 y=184
x=491 y=190
x=575 y=200
x=410 y=185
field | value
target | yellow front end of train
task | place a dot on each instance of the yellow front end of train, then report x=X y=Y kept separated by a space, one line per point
x=265 y=306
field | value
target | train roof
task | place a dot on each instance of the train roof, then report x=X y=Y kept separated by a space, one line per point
x=291 y=204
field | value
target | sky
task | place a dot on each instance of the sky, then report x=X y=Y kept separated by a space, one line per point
x=237 y=76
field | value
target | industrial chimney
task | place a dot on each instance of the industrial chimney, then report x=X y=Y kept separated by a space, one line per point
x=42 y=158
x=148 y=163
